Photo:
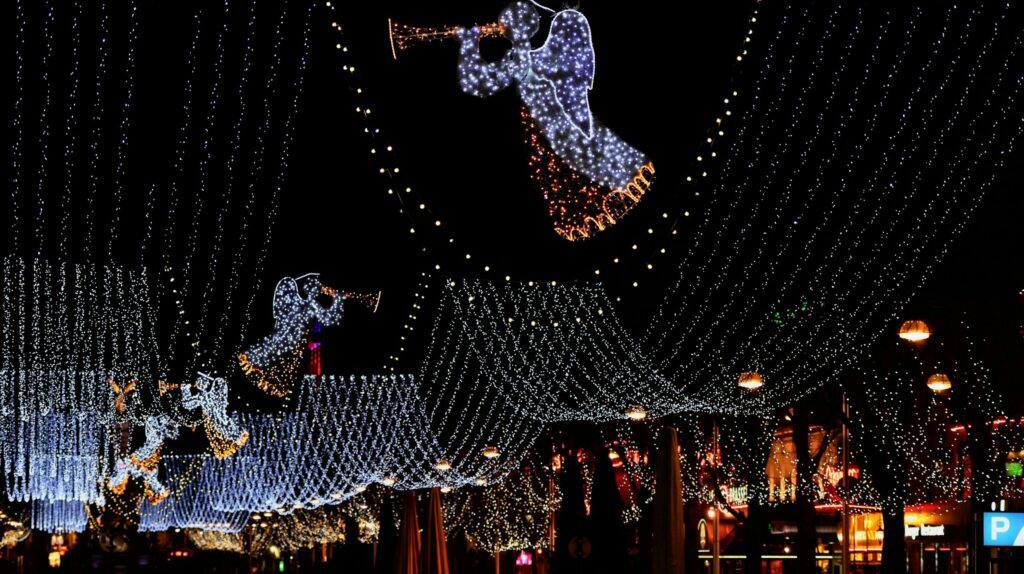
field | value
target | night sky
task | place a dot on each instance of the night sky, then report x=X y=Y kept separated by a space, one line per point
x=659 y=84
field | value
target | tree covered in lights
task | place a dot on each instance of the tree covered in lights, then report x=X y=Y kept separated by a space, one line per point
x=921 y=444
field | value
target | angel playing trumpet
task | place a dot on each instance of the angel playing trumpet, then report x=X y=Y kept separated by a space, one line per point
x=589 y=176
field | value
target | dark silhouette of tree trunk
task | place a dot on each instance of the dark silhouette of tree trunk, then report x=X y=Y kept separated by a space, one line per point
x=693 y=443
x=758 y=433
x=883 y=413
x=387 y=540
x=894 y=548
x=807 y=535
x=572 y=517
x=668 y=518
x=609 y=535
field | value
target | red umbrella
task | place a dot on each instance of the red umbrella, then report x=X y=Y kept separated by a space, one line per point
x=435 y=547
x=408 y=560
x=667 y=520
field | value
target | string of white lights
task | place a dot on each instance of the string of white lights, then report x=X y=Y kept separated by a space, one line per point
x=45 y=127
x=59 y=517
x=208 y=136
x=96 y=121
x=17 y=126
x=547 y=351
x=71 y=127
x=229 y=183
x=771 y=285
x=254 y=172
x=281 y=176
x=175 y=184
x=512 y=514
x=190 y=506
x=120 y=160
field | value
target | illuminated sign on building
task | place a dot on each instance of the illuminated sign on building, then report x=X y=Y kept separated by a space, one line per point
x=924 y=530
x=1003 y=529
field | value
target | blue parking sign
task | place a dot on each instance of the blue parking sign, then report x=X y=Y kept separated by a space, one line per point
x=1004 y=529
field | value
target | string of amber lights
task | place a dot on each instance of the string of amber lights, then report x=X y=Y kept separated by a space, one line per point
x=513 y=514
x=578 y=207
x=216 y=541
x=296 y=531
x=403 y=36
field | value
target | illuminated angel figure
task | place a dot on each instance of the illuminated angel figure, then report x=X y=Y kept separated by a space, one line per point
x=590 y=177
x=158 y=429
x=211 y=396
x=155 y=491
x=143 y=462
x=299 y=303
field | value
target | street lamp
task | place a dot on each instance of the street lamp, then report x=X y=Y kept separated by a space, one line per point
x=636 y=413
x=915 y=331
x=939 y=383
x=750 y=380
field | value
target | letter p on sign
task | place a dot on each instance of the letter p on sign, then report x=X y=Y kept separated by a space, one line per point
x=1000 y=525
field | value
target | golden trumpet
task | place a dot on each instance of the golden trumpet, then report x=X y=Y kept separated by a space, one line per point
x=370 y=300
x=404 y=35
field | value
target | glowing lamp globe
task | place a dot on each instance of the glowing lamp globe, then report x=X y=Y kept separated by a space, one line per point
x=481 y=481
x=750 y=381
x=388 y=481
x=915 y=331
x=443 y=465
x=636 y=413
x=491 y=452
x=939 y=383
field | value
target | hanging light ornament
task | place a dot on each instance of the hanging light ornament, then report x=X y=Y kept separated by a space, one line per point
x=590 y=177
x=210 y=395
x=751 y=381
x=299 y=303
x=491 y=452
x=939 y=383
x=388 y=481
x=636 y=413
x=915 y=331
x=443 y=465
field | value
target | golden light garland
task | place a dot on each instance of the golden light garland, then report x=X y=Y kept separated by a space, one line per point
x=513 y=514
x=578 y=207
x=216 y=541
x=298 y=530
x=276 y=379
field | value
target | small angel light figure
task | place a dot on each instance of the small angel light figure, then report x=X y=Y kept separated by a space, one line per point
x=272 y=362
x=210 y=395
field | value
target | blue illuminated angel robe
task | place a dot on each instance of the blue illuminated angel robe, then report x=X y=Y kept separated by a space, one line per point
x=553 y=82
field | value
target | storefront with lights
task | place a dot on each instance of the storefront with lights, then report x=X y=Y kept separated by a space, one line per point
x=937 y=538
